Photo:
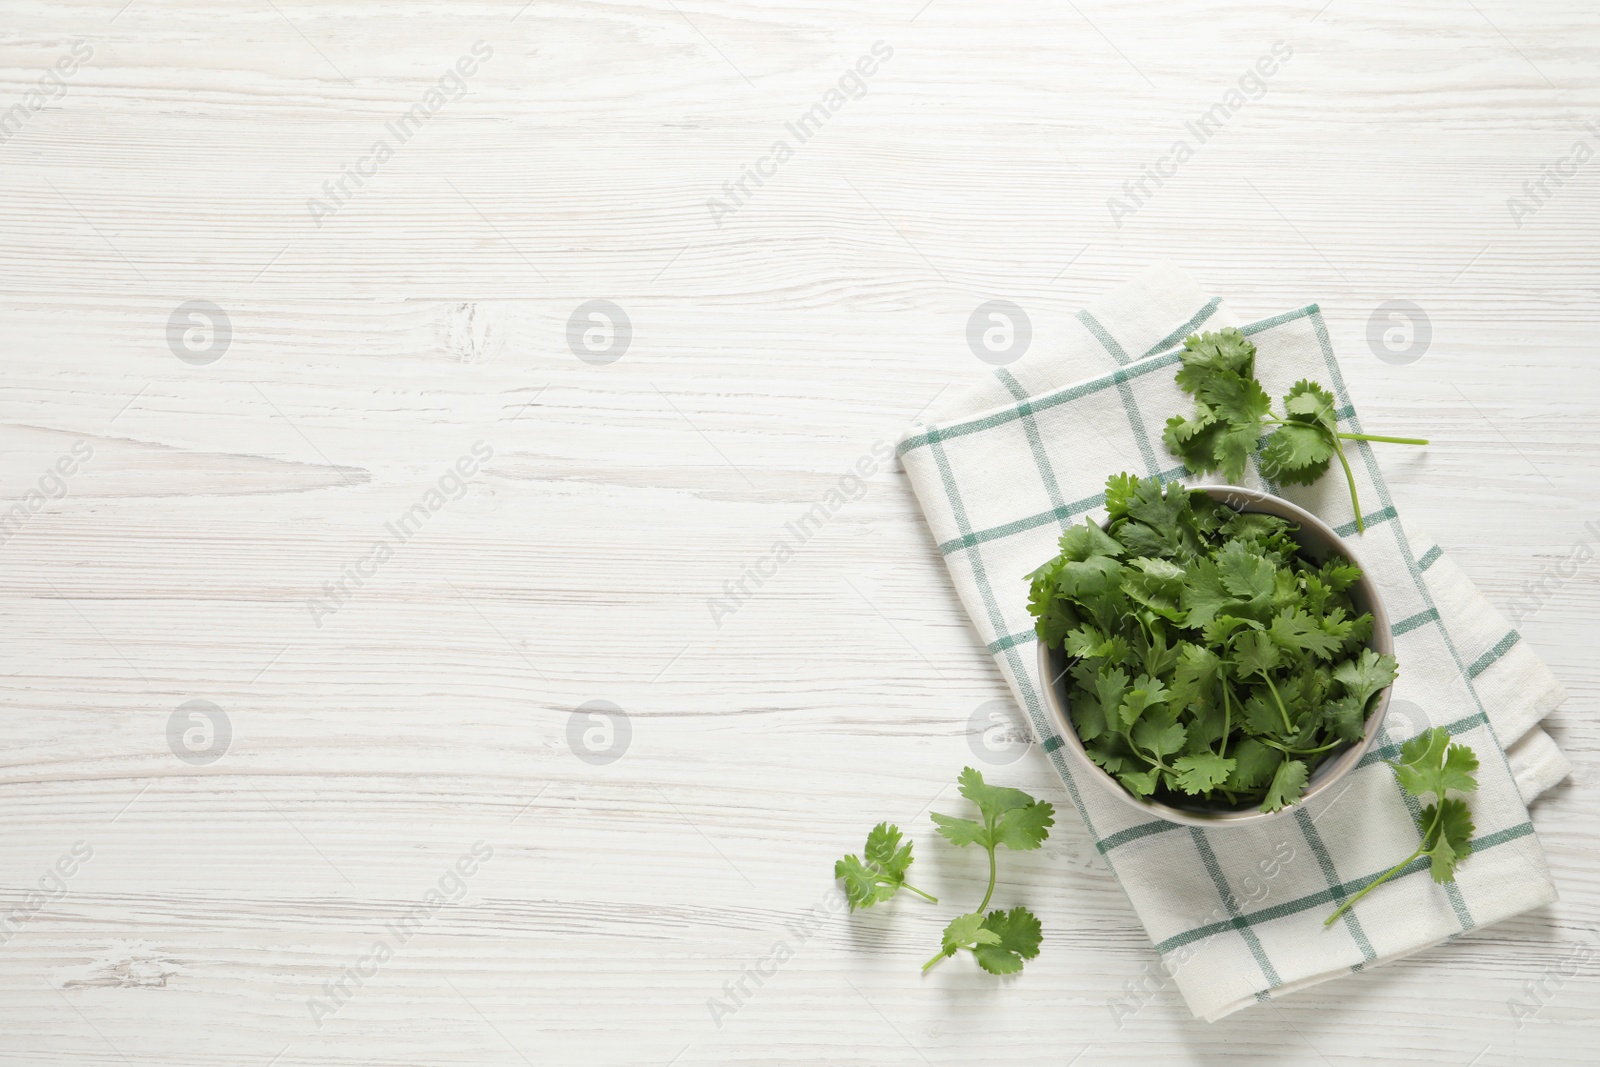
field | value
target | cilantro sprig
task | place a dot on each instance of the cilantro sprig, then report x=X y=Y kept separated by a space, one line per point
x=1001 y=941
x=1232 y=411
x=1010 y=817
x=1430 y=764
x=880 y=872
x=1211 y=662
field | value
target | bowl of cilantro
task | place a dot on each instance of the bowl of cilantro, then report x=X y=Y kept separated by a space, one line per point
x=1215 y=655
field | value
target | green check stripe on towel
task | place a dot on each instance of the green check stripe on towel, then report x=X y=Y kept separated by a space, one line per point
x=1236 y=913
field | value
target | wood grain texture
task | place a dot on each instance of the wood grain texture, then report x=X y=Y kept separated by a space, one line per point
x=772 y=347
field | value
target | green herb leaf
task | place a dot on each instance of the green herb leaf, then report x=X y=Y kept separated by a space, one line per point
x=881 y=873
x=1000 y=941
x=1450 y=841
x=1019 y=936
x=1288 y=783
x=1363 y=677
x=1203 y=773
x=1254 y=765
x=1297 y=454
x=1429 y=763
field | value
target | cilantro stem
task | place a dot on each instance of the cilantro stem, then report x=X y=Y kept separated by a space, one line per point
x=1154 y=761
x=1378 y=437
x=990 y=893
x=1287 y=725
x=1298 y=751
x=980 y=907
x=1228 y=714
x=1350 y=477
x=1275 y=420
x=1227 y=717
x=1392 y=871
x=918 y=892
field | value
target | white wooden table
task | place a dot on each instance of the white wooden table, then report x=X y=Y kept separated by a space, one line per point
x=239 y=860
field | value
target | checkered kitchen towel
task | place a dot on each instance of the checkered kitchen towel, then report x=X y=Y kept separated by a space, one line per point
x=1236 y=913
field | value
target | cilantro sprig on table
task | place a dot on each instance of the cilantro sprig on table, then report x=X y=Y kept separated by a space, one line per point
x=1210 y=660
x=1232 y=410
x=1001 y=940
x=881 y=873
x=1429 y=763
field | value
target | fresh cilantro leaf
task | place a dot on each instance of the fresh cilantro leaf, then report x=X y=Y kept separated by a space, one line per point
x=1255 y=653
x=1234 y=447
x=1199 y=670
x=1363 y=677
x=1081 y=578
x=1020 y=935
x=1450 y=840
x=1346 y=718
x=1339 y=573
x=1143 y=540
x=1025 y=829
x=1159 y=738
x=1429 y=763
x=1236 y=400
x=963 y=932
x=1288 y=783
x=1261 y=716
x=1140 y=783
x=1010 y=817
x=1245 y=574
x=1203 y=594
x=1204 y=772
x=1157 y=584
x=1219 y=630
x=1206 y=354
x=1088 y=717
x=1255 y=765
x=1083 y=642
x=1309 y=402
x=1297 y=454
x=1158 y=505
x=1055 y=613
x=1147 y=692
x=881 y=873
x=961 y=832
x=1079 y=543
x=1119 y=490
x=1110 y=686
x=1297 y=631
x=1113 y=753
x=1000 y=941
x=1196 y=441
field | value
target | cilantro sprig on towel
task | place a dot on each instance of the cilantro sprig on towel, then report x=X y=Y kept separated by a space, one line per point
x=1429 y=763
x=1232 y=410
x=1210 y=660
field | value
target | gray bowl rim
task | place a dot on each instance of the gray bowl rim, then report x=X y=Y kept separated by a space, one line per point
x=1329 y=774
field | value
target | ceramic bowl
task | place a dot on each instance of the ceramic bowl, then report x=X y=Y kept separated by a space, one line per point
x=1317 y=541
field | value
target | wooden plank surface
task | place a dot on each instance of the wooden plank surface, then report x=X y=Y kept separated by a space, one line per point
x=425 y=722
